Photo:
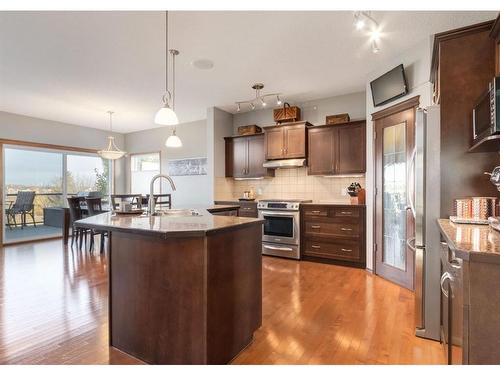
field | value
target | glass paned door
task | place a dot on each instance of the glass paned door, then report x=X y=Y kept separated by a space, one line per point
x=394 y=222
x=33 y=189
x=394 y=195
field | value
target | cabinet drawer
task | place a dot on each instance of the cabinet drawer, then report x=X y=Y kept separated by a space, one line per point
x=322 y=212
x=247 y=211
x=346 y=212
x=345 y=250
x=326 y=229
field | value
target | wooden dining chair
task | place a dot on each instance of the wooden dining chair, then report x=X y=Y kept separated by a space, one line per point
x=75 y=213
x=94 y=206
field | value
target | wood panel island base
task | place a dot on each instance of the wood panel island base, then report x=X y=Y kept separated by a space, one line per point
x=183 y=290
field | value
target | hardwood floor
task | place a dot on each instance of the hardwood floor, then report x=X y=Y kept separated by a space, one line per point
x=53 y=310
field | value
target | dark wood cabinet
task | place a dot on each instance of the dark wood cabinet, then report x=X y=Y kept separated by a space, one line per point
x=463 y=64
x=286 y=141
x=245 y=157
x=247 y=208
x=334 y=234
x=337 y=149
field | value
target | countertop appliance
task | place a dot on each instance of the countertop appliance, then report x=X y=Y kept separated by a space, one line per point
x=486 y=112
x=281 y=231
x=425 y=205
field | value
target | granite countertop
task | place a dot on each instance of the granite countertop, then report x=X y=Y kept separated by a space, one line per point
x=471 y=242
x=169 y=226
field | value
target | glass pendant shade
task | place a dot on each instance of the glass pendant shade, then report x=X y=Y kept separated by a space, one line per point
x=111 y=152
x=166 y=116
x=173 y=141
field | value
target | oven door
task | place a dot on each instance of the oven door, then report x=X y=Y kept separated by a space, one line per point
x=280 y=227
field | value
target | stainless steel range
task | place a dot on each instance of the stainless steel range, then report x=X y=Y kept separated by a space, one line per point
x=281 y=232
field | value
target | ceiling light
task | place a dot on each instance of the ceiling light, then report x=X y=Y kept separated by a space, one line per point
x=173 y=141
x=359 y=23
x=166 y=115
x=259 y=98
x=112 y=152
x=364 y=18
x=203 y=64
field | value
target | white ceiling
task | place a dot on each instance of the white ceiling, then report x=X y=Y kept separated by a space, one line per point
x=74 y=66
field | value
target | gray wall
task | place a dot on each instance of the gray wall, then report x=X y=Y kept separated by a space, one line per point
x=191 y=190
x=416 y=61
x=31 y=129
x=314 y=111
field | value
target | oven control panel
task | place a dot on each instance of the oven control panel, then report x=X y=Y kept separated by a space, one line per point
x=288 y=206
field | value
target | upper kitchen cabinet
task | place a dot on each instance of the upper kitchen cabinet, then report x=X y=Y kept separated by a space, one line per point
x=245 y=157
x=495 y=34
x=286 y=141
x=463 y=64
x=337 y=149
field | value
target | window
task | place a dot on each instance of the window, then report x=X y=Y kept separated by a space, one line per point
x=85 y=173
x=142 y=168
x=52 y=175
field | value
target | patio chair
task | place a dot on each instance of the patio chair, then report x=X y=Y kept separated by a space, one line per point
x=22 y=206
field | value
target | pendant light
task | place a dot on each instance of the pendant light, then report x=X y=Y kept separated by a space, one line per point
x=112 y=152
x=166 y=114
x=173 y=140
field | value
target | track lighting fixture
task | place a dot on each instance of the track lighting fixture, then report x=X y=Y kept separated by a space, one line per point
x=259 y=98
x=361 y=21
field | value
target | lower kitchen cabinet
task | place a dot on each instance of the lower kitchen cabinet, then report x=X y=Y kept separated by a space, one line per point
x=247 y=209
x=333 y=234
x=470 y=300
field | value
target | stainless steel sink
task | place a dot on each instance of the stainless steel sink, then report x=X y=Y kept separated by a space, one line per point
x=177 y=212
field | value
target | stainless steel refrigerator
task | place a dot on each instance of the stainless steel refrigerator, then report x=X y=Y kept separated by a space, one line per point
x=426 y=210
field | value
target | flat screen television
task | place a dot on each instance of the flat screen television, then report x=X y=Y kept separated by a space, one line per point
x=390 y=86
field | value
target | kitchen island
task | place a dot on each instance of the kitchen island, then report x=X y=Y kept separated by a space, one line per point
x=183 y=288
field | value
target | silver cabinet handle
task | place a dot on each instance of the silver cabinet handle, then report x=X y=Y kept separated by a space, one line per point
x=444 y=277
x=345 y=212
x=278 y=248
x=455 y=264
x=246 y=208
x=315 y=212
x=346 y=229
x=315 y=226
x=316 y=246
x=346 y=250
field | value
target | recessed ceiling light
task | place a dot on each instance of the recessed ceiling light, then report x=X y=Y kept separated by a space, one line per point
x=203 y=64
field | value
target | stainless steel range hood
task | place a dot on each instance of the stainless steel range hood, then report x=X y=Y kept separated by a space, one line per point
x=286 y=163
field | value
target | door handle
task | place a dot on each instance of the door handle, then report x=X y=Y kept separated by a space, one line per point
x=455 y=264
x=411 y=243
x=277 y=248
x=412 y=171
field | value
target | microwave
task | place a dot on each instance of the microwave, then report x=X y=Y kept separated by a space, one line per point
x=486 y=112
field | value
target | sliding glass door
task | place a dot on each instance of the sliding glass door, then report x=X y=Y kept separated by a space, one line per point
x=36 y=183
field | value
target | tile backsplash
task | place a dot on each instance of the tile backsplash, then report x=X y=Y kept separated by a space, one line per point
x=289 y=184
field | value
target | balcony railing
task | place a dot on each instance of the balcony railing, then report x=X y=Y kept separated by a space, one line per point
x=44 y=200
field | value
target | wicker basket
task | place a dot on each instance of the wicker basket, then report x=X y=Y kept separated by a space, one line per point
x=249 y=129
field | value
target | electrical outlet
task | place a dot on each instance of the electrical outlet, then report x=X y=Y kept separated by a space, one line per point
x=343 y=191
x=259 y=191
